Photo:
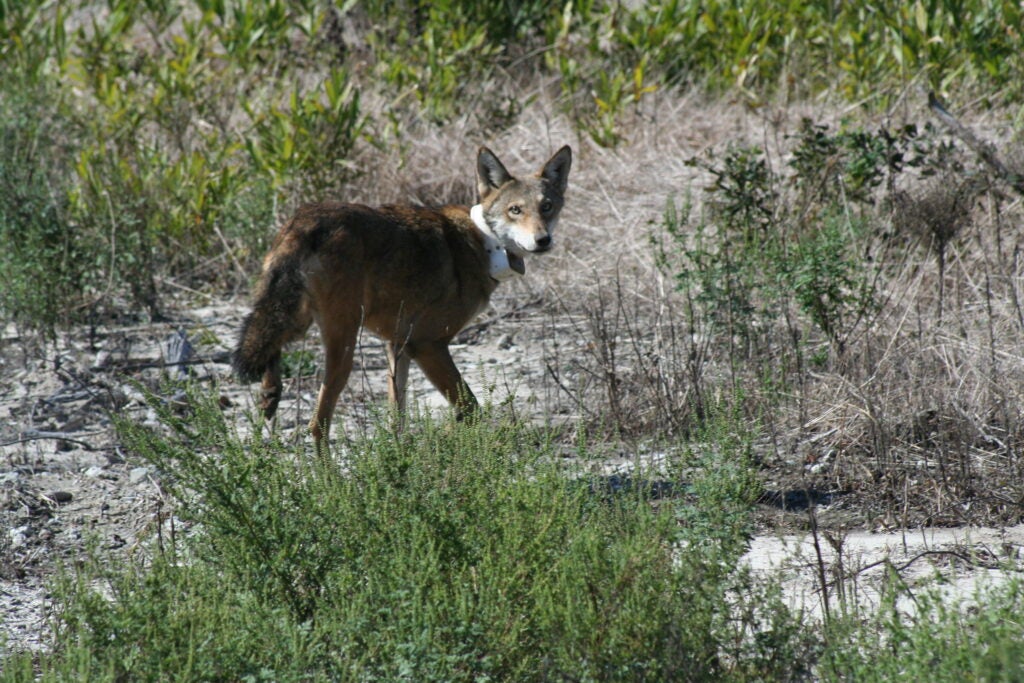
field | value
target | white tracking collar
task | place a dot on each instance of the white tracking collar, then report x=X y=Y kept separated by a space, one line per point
x=499 y=267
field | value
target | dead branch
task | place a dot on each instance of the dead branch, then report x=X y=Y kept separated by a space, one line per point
x=984 y=150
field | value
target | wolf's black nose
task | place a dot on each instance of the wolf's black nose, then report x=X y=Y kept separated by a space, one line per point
x=544 y=242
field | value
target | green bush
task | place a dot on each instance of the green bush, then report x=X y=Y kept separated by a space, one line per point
x=303 y=147
x=444 y=553
x=764 y=253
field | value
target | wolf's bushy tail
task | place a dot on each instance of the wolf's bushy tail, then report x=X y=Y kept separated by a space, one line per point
x=277 y=317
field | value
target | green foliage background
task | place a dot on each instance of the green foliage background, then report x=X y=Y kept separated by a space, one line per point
x=151 y=138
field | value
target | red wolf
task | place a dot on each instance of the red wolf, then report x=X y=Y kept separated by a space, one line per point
x=413 y=276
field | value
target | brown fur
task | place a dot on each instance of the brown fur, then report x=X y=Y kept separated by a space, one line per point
x=413 y=276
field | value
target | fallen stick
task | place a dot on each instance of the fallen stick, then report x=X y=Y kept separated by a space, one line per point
x=128 y=365
x=985 y=151
x=36 y=435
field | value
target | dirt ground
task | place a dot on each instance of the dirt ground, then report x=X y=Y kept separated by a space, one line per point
x=66 y=485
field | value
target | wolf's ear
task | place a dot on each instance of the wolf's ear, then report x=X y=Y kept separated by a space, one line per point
x=491 y=174
x=556 y=171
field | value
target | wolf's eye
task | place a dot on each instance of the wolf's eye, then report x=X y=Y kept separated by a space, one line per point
x=546 y=206
x=515 y=210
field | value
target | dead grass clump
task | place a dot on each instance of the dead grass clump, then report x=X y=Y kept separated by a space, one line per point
x=936 y=214
x=922 y=438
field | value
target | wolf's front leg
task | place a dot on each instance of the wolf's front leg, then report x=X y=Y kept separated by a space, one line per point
x=436 y=362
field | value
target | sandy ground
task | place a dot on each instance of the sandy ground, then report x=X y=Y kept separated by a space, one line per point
x=855 y=565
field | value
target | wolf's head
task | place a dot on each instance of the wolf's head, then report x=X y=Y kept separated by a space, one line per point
x=522 y=213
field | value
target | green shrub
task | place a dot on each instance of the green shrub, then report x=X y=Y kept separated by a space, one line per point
x=437 y=58
x=304 y=147
x=764 y=253
x=443 y=553
x=453 y=57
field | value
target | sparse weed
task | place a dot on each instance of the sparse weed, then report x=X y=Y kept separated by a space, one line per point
x=759 y=255
x=641 y=371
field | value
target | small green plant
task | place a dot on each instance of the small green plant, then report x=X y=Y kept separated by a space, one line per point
x=729 y=263
x=45 y=264
x=299 y=363
x=828 y=283
x=715 y=276
x=979 y=639
x=613 y=95
x=308 y=143
x=506 y=21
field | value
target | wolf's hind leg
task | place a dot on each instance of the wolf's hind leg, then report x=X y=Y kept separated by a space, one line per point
x=339 y=337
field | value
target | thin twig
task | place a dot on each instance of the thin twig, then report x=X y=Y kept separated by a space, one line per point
x=820 y=566
x=925 y=553
x=467 y=332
